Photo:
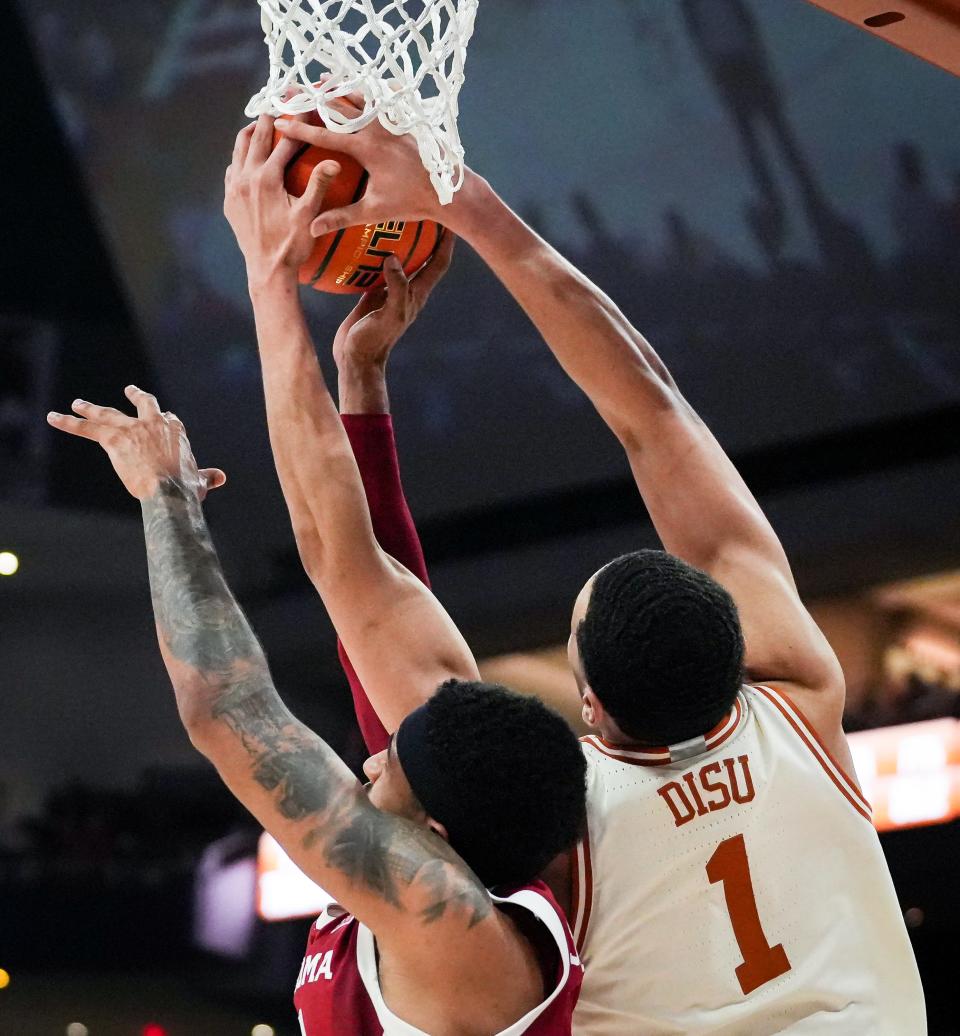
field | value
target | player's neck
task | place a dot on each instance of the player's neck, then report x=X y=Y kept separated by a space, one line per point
x=611 y=733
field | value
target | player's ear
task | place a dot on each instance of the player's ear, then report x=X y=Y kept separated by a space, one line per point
x=591 y=709
x=438 y=828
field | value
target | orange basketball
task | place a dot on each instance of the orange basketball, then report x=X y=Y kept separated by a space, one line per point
x=350 y=261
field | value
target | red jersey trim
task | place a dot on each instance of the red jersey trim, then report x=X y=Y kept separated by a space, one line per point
x=671 y=753
x=847 y=786
x=544 y=908
x=582 y=891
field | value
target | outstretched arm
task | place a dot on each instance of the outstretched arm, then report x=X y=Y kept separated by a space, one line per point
x=361 y=349
x=702 y=509
x=394 y=875
x=400 y=640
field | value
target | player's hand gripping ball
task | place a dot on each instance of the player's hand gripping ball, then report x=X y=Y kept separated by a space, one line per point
x=351 y=261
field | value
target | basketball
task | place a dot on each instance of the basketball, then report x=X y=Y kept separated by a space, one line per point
x=349 y=262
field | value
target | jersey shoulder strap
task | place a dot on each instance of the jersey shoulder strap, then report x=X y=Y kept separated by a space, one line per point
x=790 y=717
x=539 y=902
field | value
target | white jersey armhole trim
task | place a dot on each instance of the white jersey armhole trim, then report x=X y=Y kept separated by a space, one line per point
x=798 y=722
x=526 y=898
x=582 y=874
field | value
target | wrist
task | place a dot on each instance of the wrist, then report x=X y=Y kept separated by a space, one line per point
x=362 y=386
x=466 y=211
x=272 y=281
x=163 y=487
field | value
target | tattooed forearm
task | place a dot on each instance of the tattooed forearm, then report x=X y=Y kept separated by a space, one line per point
x=223 y=683
x=203 y=627
x=195 y=610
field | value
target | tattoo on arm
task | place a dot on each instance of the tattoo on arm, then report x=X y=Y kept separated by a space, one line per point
x=203 y=628
x=403 y=862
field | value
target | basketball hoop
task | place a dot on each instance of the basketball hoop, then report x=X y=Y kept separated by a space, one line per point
x=404 y=57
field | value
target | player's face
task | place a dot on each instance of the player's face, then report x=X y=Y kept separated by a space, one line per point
x=573 y=651
x=389 y=788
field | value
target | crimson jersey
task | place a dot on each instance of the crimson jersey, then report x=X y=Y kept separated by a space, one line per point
x=338 y=988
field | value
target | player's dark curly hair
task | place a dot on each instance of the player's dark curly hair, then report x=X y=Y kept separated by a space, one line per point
x=661 y=647
x=514 y=776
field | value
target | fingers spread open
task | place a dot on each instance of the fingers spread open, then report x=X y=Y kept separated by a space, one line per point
x=348 y=216
x=242 y=144
x=351 y=105
x=324 y=173
x=282 y=154
x=106 y=415
x=356 y=99
x=76 y=426
x=348 y=143
x=260 y=142
x=146 y=404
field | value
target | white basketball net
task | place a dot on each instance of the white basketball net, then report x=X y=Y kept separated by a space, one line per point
x=405 y=57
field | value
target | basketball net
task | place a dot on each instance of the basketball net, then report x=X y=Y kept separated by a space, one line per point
x=392 y=52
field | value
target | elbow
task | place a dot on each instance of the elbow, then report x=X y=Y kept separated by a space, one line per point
x=207 y=737
x=328 y=569
x=314 y=557
x=201 y=741
x=196 y=716
x=191 y=693
x=662 y=406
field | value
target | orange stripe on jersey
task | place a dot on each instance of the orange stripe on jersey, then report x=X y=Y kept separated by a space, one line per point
x=582 y=900
x=576 y=889
x=850 y=779
x=847 y=787
x=670 y=753
x=637 y=758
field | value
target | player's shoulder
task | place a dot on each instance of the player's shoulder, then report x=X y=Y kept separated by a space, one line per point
x=821 y=736
x=537 y=898
x=539 y=901
x=807 y=713
x=334 y=923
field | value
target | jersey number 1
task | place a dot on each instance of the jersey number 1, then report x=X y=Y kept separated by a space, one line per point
x=761 y=962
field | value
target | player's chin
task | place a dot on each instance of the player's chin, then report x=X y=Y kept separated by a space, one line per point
x=378 y=798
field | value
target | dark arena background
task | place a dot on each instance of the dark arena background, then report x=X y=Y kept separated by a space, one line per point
x=770 y=193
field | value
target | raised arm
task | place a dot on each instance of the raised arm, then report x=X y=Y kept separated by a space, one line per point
x=400 y=640
x=361 y=349
x=393 y=874
x=702 y=509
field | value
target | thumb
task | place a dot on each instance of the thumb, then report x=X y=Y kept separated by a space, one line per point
x=339 y=219
x=396 y=278
x=324 y=173
x=212 y=478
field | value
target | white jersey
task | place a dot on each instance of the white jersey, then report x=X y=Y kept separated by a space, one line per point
x=735 y=884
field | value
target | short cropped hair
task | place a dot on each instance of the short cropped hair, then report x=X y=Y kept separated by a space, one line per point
x=513 y=779
x=661 y=647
